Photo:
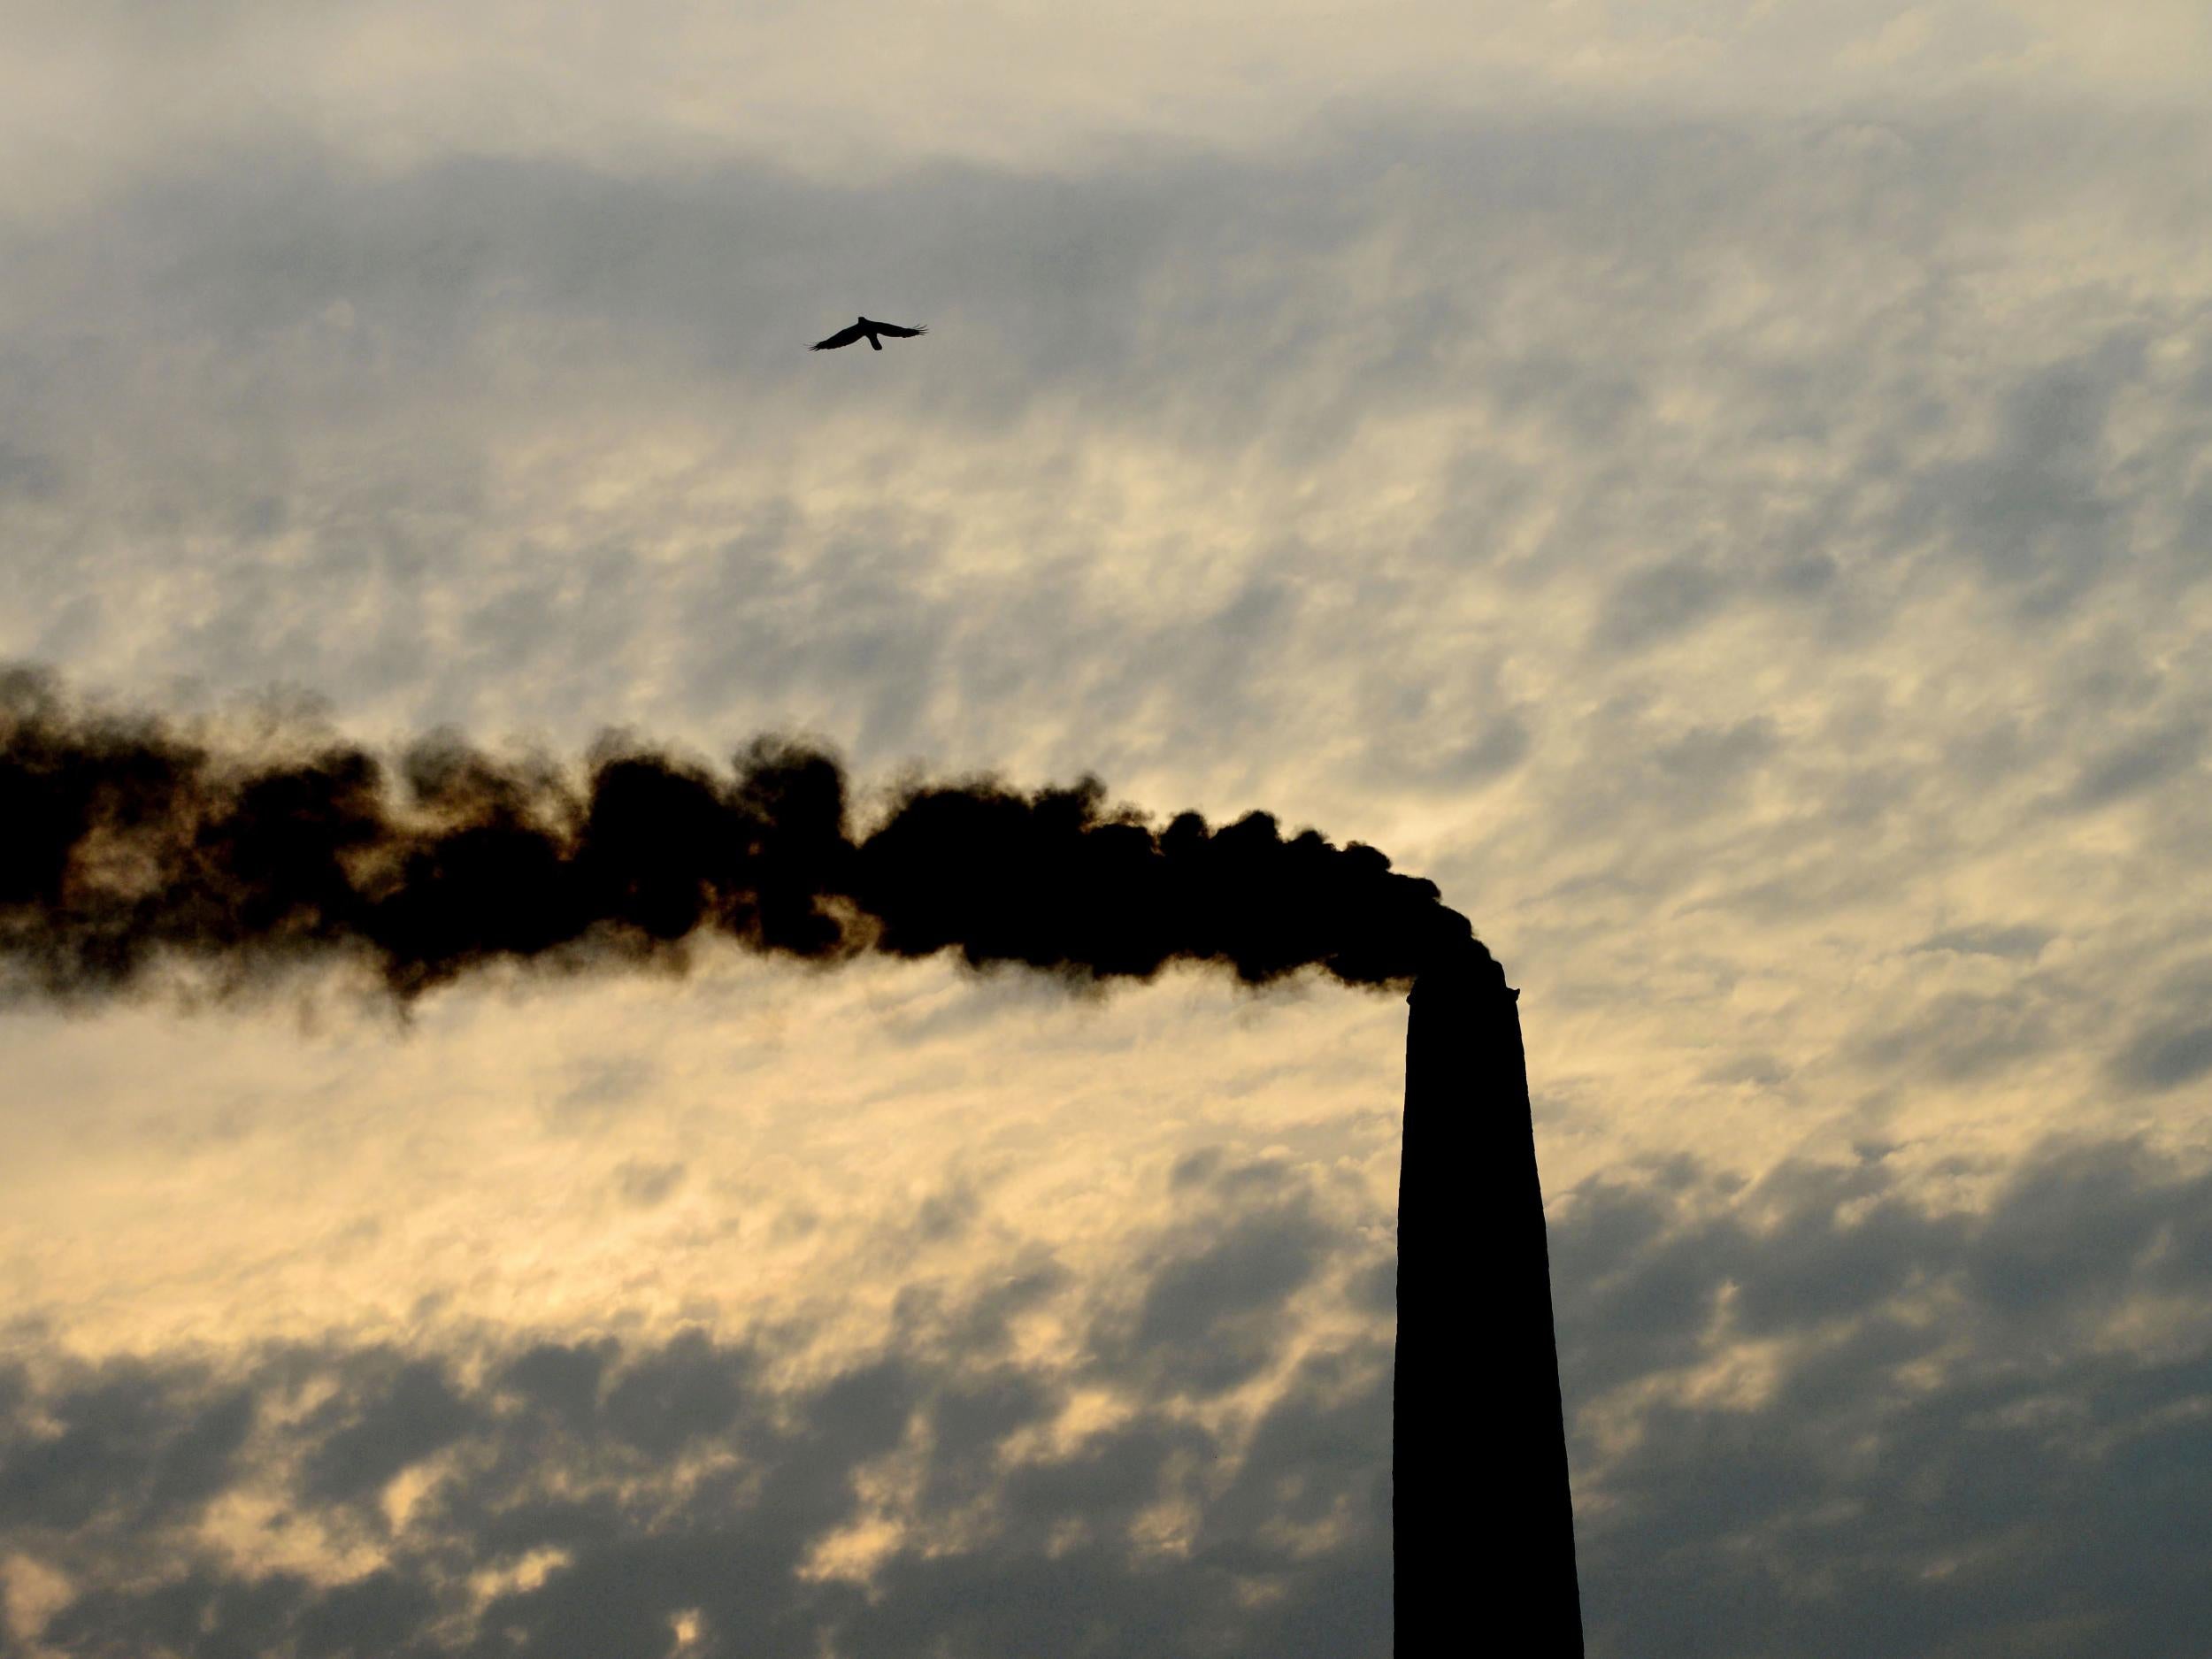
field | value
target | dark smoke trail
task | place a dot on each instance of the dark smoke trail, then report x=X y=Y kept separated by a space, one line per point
x=126 y=843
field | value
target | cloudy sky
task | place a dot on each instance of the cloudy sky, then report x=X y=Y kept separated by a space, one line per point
x=1724 y=489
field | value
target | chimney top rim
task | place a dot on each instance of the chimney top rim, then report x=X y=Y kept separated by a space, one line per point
x=1467 y=969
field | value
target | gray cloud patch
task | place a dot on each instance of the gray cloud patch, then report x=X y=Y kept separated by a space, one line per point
x=381 y=1425
x=1951 y=1457
x=2167 y=1056
x=644 y=1184
x=1989 y=940
x=2172 y=1046
x=1955 y=1036
x=2134 y=764
x=1210 y=1314
x=1657 y=601
x=135 y=1445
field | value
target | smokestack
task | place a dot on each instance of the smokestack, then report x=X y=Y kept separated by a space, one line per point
x=128 y=844
x=1481 y=1510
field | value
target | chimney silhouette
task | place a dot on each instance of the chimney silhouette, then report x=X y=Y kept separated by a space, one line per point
x=1481 y=1512
x=128 y=843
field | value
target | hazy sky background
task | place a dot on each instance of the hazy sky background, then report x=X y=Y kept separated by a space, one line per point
x=1726 y=489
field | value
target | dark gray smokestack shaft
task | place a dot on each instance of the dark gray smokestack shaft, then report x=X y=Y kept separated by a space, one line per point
x=1483 y=1518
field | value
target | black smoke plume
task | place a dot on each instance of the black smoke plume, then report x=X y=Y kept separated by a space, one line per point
x=128 y=843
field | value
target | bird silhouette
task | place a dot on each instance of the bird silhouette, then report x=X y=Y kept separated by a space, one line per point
x=865 y=330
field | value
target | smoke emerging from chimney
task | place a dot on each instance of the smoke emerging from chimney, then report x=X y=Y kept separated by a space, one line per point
x=128 y=843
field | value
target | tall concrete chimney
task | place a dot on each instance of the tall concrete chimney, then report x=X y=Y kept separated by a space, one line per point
x=1483 y=1518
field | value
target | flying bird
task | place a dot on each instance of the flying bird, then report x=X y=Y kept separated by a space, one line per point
x=865 y=330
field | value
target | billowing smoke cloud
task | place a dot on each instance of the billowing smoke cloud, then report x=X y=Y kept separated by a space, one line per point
x=128 y=843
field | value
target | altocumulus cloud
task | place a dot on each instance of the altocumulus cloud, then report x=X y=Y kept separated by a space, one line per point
x=1814 y=1414
x=1823 y=1418
x=606 y=1497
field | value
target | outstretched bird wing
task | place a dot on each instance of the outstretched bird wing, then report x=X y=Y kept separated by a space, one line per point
x=842 y=337
x=903 y=333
